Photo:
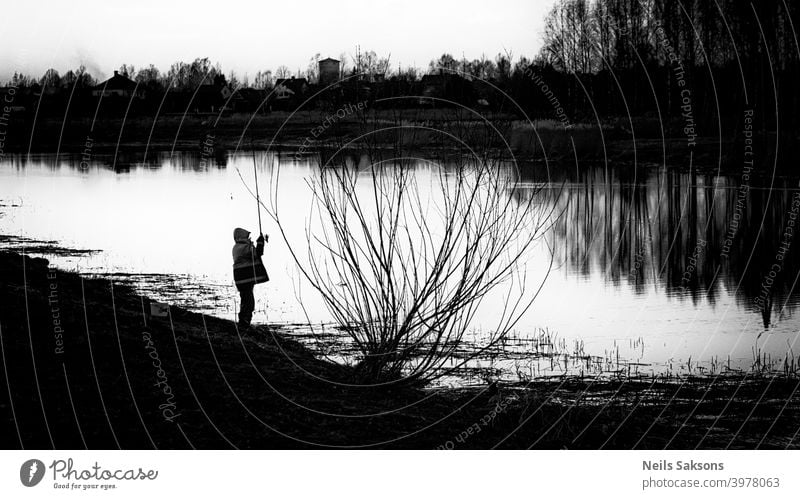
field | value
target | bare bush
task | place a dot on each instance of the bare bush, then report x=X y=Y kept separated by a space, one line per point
x=404 y=251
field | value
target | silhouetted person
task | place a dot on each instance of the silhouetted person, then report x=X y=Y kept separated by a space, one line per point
x=247 y=271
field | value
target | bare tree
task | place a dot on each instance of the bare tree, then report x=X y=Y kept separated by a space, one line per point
x=190 y=76
x=312 y=71
x=128 y=71
x=51 y=78
x=78 y=78
x=404 y=252
x=407 y=74
x=263 y=80
x=571 y=38
x=342 y=65
x=445 y=62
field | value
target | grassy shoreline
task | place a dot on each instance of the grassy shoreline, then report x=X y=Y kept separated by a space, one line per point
x=87 y=367
x=207 y=135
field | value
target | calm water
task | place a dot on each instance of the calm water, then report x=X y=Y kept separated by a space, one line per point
x=654 y=271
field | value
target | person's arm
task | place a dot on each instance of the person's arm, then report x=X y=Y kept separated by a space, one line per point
x=260 y=245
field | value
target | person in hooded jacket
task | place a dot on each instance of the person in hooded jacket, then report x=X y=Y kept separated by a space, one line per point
x=245 y=256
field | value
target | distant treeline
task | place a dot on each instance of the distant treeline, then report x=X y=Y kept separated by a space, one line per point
x=202 y=87
x=719 y=57
x=696 y=67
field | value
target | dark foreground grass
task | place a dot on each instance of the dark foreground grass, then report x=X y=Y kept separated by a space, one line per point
x=81 y=360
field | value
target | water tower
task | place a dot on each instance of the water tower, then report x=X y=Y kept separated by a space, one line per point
x=328 y=71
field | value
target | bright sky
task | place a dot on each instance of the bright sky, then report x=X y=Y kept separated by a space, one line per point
x=249 y=36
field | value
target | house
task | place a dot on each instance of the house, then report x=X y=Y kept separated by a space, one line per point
x=117 y=86
x=444 y=87
x=286 y=88
x=288 y=92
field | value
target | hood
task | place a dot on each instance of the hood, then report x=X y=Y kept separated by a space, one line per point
x=241 y=235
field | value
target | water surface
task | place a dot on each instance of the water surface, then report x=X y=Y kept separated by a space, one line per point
x=654 y=270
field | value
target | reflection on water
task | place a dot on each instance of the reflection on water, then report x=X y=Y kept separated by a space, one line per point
x=657 y=270
x=693 y=236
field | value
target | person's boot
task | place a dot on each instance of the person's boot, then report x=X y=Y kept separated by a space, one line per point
x=244 y=323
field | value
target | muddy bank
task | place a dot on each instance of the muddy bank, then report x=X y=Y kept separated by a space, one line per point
x=86 y=366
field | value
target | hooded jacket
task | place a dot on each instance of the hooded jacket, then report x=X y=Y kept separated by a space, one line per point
x=247 y=265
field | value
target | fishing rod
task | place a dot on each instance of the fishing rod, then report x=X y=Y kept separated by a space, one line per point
x=258 y=200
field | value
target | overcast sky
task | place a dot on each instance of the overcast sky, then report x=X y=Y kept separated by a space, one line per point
x=248 y=36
